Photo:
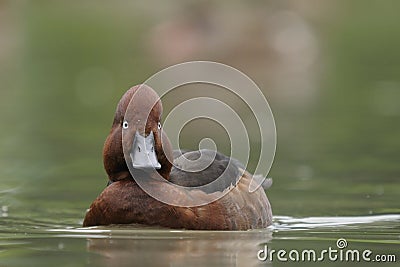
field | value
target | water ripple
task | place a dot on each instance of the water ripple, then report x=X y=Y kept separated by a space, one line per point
x=291 y=223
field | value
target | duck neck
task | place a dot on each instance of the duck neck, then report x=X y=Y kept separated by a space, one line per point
x=164 y=156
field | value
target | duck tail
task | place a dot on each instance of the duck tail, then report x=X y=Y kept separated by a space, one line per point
x=266 y=182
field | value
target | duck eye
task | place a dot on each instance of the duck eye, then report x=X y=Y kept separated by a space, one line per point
x=125 y=125
x=159 y=125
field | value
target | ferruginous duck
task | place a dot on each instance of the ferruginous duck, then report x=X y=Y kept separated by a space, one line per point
x=152 y=185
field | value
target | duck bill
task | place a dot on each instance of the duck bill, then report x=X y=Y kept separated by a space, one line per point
x=142 y=154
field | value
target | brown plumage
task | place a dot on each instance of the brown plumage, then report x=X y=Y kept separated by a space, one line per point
x=124 y=202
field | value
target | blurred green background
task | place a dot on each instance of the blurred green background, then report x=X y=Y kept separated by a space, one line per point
x=329 y=69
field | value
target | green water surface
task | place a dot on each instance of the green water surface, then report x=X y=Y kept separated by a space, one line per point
x=63 y=68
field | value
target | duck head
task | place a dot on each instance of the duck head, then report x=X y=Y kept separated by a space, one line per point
x=136 y=136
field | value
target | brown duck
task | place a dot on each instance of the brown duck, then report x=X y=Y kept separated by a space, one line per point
x=228 y=202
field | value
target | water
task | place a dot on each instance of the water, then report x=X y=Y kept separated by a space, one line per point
x=43 y=244
x=329 y=71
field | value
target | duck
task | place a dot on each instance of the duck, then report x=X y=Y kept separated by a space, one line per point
x=151 y=184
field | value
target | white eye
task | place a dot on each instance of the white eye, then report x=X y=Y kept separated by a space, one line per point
x=125 y=125
x=159 y=125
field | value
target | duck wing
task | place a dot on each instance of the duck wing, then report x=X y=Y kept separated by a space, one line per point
x=205 y=167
